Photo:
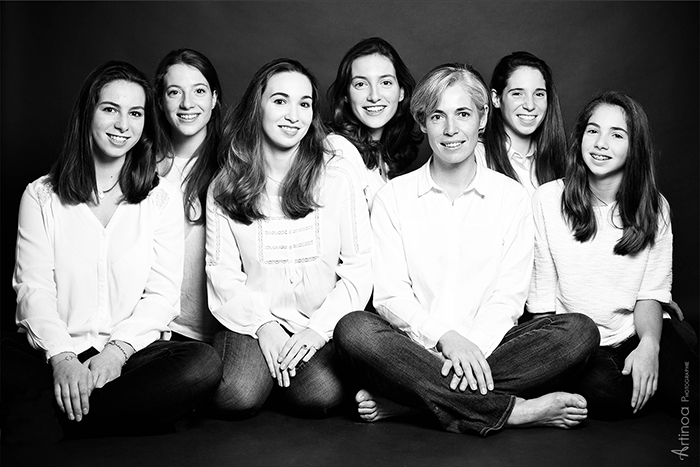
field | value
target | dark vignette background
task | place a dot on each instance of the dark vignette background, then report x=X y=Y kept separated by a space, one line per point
x=647 y=49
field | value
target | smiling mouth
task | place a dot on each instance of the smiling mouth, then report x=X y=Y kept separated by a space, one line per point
x=374 y=109
x=600 y=157
x=452 y=144
x=117 y=139
x=188 y=117
x=527 y=118
x=290 y=130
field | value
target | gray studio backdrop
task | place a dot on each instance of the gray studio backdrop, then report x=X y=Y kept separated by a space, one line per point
x=647 y=49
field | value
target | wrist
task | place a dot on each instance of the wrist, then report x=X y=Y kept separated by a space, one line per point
x=62 y=357
x=265 y=325
x=122 y=348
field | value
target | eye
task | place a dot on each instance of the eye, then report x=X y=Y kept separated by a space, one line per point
x=541 y=94
x=387 y=83
x=109 y=109
x=360 y=84
x=136 y=113
x=516 y=94
x=279 y=101
x=172 y=92
x=591 y=131
x=435 y=118
x=618 y=135
x=200 y=91
x=306 y=105
x=463 y=114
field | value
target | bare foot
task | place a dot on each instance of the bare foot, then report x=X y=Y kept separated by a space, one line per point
x=557 y=409
x=372 y=408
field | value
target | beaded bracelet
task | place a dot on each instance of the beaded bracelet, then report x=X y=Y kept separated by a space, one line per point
x=114 y=343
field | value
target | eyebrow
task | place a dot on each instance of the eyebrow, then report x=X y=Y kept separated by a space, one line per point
x=194 y=85
x=284 y=94
x=114 y=104
x=522 y=89
x=388 y=75
x=612 y=127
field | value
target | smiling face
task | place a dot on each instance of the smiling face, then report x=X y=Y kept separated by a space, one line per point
x=605 y=143
x=453 y=127
x=523 y=102
x=374 y=92
x=286 y=111
x=187 y=101
x=118 y=119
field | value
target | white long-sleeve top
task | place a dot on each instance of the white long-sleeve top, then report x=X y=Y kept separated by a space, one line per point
x=303 y=273
x=462 y=266
x=370 y=180
x=195 y=320
x=522 y=165
x=574 y=277
x=80 y=284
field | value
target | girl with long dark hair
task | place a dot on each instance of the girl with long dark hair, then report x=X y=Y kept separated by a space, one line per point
x=604 y=249
x=370 y=100
x=190 y=100
x=524 y=138
x=288 y=248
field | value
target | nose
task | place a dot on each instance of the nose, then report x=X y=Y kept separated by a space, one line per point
x=292 y=115
x=528 y=103
x=450 y=127
x=186 y=102
x=122 y=122
x=601 y=141
x=373 y=94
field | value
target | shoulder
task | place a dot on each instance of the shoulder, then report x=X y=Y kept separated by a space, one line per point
x=548 y=193
x=40 y=190
x=341 y=147
x=163 y=195
x=497 y=182
x=403 y=188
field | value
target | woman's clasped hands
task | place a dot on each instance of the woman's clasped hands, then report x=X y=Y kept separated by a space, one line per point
x=283 y=354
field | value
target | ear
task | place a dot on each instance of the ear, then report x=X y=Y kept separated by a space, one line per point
x=496 y=100
x=401 y=94
x=214 y=99
x=423 y=128
x=484 y=118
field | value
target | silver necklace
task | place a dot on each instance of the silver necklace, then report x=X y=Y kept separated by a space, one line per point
x=101 y=194
x=598 y=198
x=277 y=182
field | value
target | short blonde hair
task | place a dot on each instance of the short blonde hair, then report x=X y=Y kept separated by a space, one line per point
x=429 y=90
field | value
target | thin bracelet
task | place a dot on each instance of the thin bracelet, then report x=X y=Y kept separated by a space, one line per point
x=68 y=358
x=114 y=343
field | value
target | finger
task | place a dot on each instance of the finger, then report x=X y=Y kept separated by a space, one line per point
x=627 y=369
x=446 y=367
x=84 y=398
x=59 y=397
x=635 y=391
x=101 y=380
x=287 y=348
x=303 y=352
x=285 y=378
x=470 y=378
x=312 y=351
x=454 y=382
x=280 y=377
x=294 y=355
x=479 y=375
x=464 y=384
x=292 y=372
x=65 y=394
x=75 y=401
x=271 y=367
x=487 y=373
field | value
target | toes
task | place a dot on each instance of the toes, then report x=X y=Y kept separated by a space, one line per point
x=362 y=395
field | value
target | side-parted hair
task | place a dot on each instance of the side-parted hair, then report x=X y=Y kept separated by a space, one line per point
x=549 y=137
x=432 y=86
x=241 y=181
x=638 y=198
x=72 y=175
x=207 y=163
x=398 y=145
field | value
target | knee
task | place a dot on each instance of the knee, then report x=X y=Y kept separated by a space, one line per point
x=234 y=399
x=581 y=331
x=205 y=367
x=352 y=330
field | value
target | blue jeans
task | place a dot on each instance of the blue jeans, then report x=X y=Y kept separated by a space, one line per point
x=609 y=392
x=532 y=359
x=246 y=385
x=158 y=385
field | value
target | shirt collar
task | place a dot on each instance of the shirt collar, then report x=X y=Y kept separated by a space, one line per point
x=513 y=154
x=426 y=182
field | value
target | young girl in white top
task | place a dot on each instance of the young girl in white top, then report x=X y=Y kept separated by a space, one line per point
x=97 y=276
x=524 y=138
x=604 y=249
x=370 y=100
x=288 y=248
x=189 y=110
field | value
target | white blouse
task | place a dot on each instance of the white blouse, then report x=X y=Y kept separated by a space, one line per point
x=195 y=320
x=303 y=273
x=371 y=180
x=462 y=266
x=522 y=165
x=574 y=277
x=80 y=284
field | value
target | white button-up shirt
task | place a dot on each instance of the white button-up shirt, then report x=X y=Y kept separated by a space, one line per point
x=302 y=273
x=80 y=284
x=462 y=266
x=522 y=165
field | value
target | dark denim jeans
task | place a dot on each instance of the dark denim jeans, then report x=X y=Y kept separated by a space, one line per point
x=532 y=359
x=158 y=385
x=609 y=392
x=317 y=388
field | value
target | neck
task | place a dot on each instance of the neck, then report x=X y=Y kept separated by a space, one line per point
x=453 y=178
x=376 y=133
x=107 y=172
x=185 y=146
x=519 y=144
x=604 y=189
x=278 y=163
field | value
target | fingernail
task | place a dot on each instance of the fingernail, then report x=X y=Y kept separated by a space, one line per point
x=71 y=417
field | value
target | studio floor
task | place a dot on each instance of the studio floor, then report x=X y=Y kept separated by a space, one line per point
x=274 y=439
